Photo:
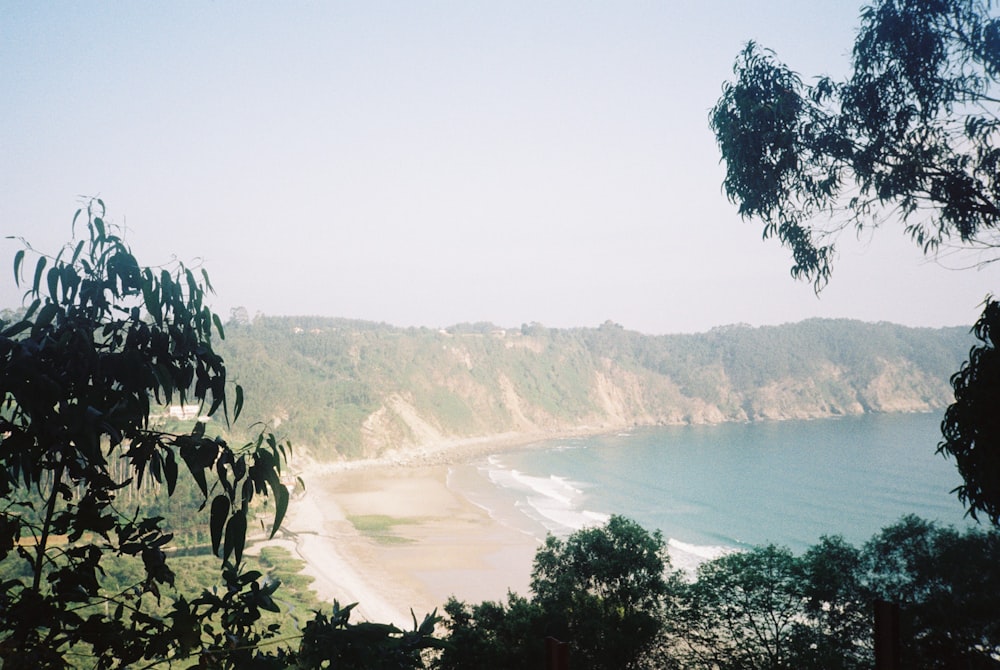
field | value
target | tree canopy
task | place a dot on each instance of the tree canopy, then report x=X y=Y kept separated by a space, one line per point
x=971 y=426
x=601 y=591
x=910 y=136
x=102 y=342
x=604 y=590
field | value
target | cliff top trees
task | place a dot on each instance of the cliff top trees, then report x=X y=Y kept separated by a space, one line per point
x=911 y=135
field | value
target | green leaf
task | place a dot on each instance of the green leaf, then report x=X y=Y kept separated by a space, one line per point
x=39 y=268
x=208 y=284
x=170 y=471
x=236 y=536
x=150 y=296
x=18 y=259
x=192 y=285
x=195 y=459
x=76 y=252
x=217 y=520
x=218 y=326
x=280 y=506
x=70 y=283
x=45 y=317
x=53 y=280
x=16 y=328
x=238 y=405
x=35 y=304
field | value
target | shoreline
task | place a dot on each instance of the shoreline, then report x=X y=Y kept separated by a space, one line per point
x=431 y=543
x=390 y=534
x=456 y=450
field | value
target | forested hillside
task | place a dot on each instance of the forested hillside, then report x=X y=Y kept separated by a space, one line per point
x=350 y=389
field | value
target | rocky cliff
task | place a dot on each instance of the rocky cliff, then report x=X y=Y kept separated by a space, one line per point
x=350 y=389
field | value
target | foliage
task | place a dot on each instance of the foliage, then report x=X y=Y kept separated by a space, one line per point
x=333 y=642
x=836 y=605
x=752 y=610
x=971 y=425
x=337 y=386
x=504 y=636
x=946 y=584
x=911 y=133
x=765 y=608
x=79 y=370
x=83 y=544
x=604 y=590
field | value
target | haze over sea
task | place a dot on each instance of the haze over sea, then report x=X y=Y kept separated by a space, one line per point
x=710 y=489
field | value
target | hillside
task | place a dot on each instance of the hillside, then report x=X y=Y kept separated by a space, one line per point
x=351 y=389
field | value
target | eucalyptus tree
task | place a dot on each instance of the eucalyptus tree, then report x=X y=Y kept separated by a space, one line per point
x=102 y=342
x=911 y=136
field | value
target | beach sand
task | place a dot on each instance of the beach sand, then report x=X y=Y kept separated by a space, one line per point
x=421 y=542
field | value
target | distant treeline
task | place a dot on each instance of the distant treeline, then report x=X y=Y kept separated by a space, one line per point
x=349 y=388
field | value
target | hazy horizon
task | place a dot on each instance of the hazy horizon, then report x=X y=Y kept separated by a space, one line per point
x=434 y=164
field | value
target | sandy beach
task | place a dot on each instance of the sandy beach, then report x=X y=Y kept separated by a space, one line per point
x=391 y=536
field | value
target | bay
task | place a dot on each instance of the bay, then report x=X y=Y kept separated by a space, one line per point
x=712 y=489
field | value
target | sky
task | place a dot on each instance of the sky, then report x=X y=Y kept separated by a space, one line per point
x=432 y=163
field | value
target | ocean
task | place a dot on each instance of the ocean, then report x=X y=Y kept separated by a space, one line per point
x=713 y=489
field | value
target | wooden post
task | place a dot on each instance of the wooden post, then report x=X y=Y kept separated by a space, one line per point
x=556 y=654
x=887 y=643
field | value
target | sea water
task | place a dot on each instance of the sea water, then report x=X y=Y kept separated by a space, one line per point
x=713 y=489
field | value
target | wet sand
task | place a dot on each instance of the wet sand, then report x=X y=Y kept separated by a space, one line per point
x=419 y=542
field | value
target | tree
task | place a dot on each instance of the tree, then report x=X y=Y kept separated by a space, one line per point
x=101 y=344
x=911 y=135
x=101 y=340
x=745 y=610
x=502 y=636
x=604 y=590
x=333 y=642
x=837 y=606
x=946 y=584
x=971 y=426
x=765 y=608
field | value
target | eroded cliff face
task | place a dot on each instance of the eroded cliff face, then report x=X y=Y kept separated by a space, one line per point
x=352 y=389
x=620 y=398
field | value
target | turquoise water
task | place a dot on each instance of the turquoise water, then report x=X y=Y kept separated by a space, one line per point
x=714 y=488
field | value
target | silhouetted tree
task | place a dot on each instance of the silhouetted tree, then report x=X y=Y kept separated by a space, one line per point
x=971 y=426
x=606 y=591
x=911 y=135
x=102 y=342
x=946 y=584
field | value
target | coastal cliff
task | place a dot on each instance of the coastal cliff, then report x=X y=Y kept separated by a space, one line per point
x=350 y=389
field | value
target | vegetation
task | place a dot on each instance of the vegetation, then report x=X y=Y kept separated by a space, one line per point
x=911 y=136
x=611 y=594
x=380 y=527
x=346 y=389
x=88 y=479
x=605 y=589
x=971 y=426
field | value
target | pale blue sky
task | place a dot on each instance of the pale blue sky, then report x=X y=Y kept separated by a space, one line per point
x=428 y=163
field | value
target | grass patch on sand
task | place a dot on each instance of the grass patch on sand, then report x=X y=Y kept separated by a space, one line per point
x=381 y=527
